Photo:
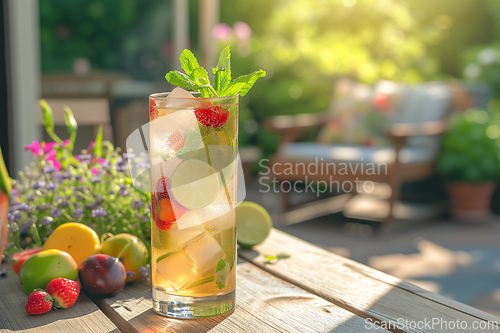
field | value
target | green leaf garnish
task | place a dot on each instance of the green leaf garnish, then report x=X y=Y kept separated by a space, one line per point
x=196 y=77
x=221 y=276
x=242 y=84
x=188 y=62
x=223 y=71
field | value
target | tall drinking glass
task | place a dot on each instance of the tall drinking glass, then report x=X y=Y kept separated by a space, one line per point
x=193 y=150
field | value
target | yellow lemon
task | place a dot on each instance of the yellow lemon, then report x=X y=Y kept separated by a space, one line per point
x=76 y=239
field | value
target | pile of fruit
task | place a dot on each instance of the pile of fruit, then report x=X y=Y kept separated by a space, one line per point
x=73 y=258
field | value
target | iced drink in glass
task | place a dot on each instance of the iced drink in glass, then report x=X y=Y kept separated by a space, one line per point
x=193 y=151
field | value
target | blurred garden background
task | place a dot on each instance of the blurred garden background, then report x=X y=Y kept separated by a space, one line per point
x=302 y=47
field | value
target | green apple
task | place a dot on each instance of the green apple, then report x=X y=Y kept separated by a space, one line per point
x=133 y=257
x=44 y=266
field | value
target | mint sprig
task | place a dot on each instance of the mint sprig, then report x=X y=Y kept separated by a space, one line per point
x=196 y=78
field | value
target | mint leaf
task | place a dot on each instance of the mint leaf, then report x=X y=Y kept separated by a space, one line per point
x=242 y=84
x=221 y=276
x=223 y=71
x=200 y=78
x=181 y=80
x=188 y=62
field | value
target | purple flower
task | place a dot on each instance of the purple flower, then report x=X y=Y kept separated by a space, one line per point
x=30 y=197
x=144 y=271
x=144 y=219
x=78 y=213
x=25 y=229
x=123 y=193
x=77 y=177
x=95 y=179
x=49 y=169
x=46 y=220
x=52 y=186
x=130 y=274
x=129 y=156
x=121 y=168
x=137 y=204
x=55 y=212
x=111 y=192
x=65 y=176
x=99 y=212
x=38 y=184
x=42 y=207
x=98 y=200
x=121 y=161
x=63 y=203
x=84 y=157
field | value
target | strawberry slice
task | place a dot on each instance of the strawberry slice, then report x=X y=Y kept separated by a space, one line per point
x=162 y=186
x=153 y=112
x=64 y=292
x=19 y=258
x=168 y=211
x=213 y=116
x=39 y=302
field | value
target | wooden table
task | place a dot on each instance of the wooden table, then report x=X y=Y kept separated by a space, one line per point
x=311 y=291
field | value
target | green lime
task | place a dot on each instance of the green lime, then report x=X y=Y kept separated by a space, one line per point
x=253 y=224
x=195 y=184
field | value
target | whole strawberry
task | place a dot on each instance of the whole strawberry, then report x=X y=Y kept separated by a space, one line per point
x=64 y=292
x=39 y=302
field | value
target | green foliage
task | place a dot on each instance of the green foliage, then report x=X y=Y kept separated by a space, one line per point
x=94 y=188
x=471 y=147
x=304 y=46
x=196 y=77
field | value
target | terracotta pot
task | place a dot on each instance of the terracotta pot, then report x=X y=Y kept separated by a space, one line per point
x=470 y=202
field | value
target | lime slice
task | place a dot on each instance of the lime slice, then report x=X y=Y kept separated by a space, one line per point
x=253 y=224
x=195 y=184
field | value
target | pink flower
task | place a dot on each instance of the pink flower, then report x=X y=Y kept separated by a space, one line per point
x=91 y=145
x=222 y=32
x=51 y=157
x=94 y=170
x=102 y=160
x=243 y=31
x=65 y=143
x=48 y=146
x=35 y=148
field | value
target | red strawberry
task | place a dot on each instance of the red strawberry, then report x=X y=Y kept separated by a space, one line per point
x=64 y=292
x=39 y=302
x=168 y=211
x=214 y=116
x=162 y=186
x=153 y=112
x=221 y=118
x=19 y=258
x=154 y=202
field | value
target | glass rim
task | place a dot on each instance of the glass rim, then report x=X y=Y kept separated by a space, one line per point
x=164 y=95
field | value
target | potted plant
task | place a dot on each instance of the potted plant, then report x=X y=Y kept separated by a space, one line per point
x=470 y=161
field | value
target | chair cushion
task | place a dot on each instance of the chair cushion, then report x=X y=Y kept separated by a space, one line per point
x=359 y=113
x=354 y=153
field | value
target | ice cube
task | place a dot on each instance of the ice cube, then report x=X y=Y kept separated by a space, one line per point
x=180 y=237
x=177 y=270
x=227 y=240
x=217 y=208
x=180 y=99
x=180 y=93
x=204 y=253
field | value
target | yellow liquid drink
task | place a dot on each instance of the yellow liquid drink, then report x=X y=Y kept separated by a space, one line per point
x=193 y=151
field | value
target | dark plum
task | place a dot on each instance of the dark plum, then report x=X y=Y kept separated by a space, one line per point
x=102 y=275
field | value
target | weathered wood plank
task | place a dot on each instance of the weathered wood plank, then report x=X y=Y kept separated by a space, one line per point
x=84 y=316
x=358 y=288
x=264 y=304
